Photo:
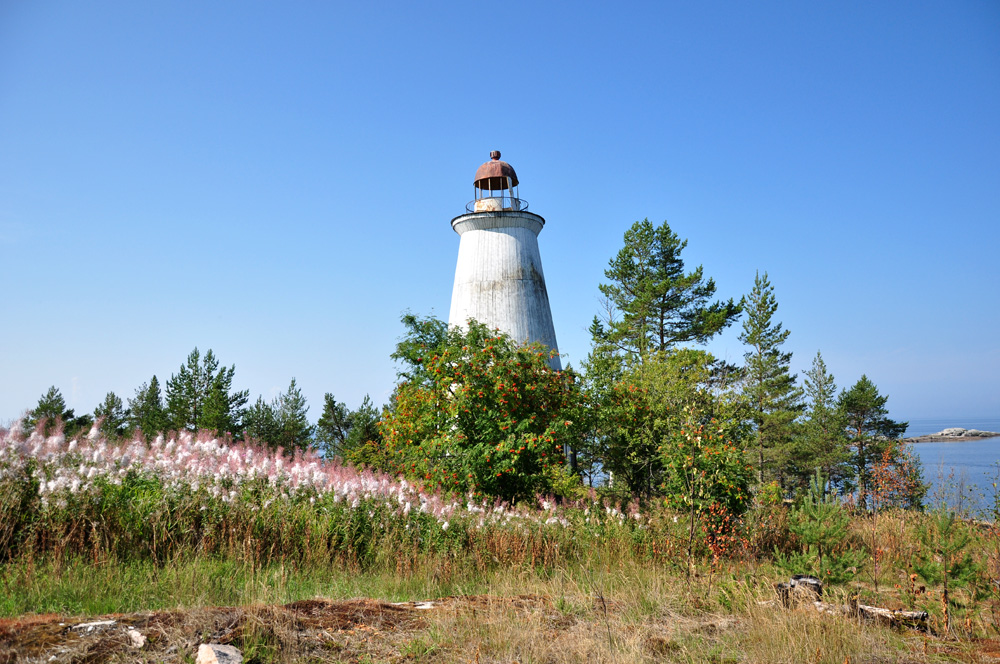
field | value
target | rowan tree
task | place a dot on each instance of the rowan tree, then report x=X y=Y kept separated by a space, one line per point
x=478 y=412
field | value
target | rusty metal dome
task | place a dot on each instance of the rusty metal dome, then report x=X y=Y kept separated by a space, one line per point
x=495 y=174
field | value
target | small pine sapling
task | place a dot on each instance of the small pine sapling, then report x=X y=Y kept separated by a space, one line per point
x=943 y=559
x=821 y=524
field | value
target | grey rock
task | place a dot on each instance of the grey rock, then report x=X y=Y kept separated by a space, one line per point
x=215 y=653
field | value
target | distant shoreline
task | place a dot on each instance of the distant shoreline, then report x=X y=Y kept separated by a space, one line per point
x=953 y=435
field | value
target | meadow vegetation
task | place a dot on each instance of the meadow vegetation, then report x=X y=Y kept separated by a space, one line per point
x=641 y=509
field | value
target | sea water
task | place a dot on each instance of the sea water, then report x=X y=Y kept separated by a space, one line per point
x=961 y=474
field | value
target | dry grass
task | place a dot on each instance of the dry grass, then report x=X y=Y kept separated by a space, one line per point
x=607 y=613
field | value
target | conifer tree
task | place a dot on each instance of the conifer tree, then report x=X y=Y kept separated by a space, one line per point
x=145 y=410
x=821 y=443
x=260 y=423
x=653 y=303
x=944 y=559
x=775 y=400
x=52 y=408
x=871 y=431
x=199 y=396
x=113 y=416
x=821 y=524
x=333 y=427
x=295 y=432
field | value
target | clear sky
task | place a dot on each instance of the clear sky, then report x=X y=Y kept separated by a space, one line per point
x=275 y=181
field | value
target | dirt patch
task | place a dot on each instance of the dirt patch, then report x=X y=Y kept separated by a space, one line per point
x=174 y=635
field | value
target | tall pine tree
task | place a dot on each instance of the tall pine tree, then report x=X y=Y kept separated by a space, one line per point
x=775 y=400
x=145 y=410
x=295 y=432
x=112 y=415
x=199 y=396
x=51 y=408
x=871 y=431
x=653 y=304
x=821 y=443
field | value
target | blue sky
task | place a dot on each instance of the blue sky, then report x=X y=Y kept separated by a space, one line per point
x=275 y=181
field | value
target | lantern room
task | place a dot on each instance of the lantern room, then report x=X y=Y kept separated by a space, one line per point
x=495 y=187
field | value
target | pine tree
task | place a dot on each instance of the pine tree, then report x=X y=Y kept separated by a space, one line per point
x=112 y=415
x=145 y=410
x=872 y=433
x=659 y=304
x=51 y=408
x=943 y=558
x=333 y=427
x=295 y=431
x=199 y=396
x=260 y=424
x=344 y=433
x=821 y=443
x=774 y=398
x=821 y=525
x=364 y=427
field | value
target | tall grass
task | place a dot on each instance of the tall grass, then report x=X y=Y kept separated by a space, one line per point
x=92 y=526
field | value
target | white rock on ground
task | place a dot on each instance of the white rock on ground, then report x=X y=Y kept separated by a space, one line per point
x=136 y=638
x=95 y=626
x=214 y=653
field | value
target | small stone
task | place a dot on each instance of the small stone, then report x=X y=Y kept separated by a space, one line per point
x=214 y=653
x=136 y=638
x=95 y=626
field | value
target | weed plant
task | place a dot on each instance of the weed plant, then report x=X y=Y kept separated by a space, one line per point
x=88 y=526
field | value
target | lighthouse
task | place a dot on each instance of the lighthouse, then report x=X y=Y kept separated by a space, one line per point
x=499 y=280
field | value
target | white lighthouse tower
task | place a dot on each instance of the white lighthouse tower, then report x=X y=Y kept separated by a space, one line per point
x=499 y=280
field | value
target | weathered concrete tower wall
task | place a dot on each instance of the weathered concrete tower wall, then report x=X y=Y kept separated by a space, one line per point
x=499 y=280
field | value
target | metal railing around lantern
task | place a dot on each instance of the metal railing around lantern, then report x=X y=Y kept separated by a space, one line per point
x=497 y=204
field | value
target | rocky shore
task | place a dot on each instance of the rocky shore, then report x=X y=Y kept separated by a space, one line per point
x=953 y=435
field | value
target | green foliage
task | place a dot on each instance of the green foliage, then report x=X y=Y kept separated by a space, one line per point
x=704 y=468
x=145 y=410
x=645 y=406
x=51 y=409
x=478 y=412
x=112 y=415
x=353 y=436
x=333 y=427
x=260 y=423
x=821 y=524
x=862 y=410
x=295 y=432
x=653 y=304
x=364 y=435
x=281 y=423
x=944 y=559
x=821 y=442
x=199 y=396
x=774 y=398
